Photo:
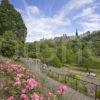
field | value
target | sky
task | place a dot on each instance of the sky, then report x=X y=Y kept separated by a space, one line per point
x=53 y=18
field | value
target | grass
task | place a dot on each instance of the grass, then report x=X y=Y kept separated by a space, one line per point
x=98 y=94
x=83 y=89
x=78 y=71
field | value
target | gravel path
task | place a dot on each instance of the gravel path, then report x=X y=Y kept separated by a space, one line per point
x=70 y=95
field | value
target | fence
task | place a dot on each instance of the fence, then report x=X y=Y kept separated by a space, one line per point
x=85 y=87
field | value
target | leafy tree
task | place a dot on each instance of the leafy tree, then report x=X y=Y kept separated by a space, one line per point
x=31 y=51
x=10 y=19
x=96 y=48
x=8 y=45
x=47 y=54
x=55 y=62
x=61 y=53
x=11 y=24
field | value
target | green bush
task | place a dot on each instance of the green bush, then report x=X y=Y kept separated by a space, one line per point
x=8 y=45
x=83 y=89
x=98 y=94
x=55 y=62
x=71 y=82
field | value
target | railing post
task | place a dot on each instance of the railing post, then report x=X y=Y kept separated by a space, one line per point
x=65 y=78
x=95 y=91
x=50 y=72
x=76 y=84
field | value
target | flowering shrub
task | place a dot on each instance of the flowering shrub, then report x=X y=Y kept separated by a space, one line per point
x=31 y=83
x=11 y=98
x=24 y=97
x=49 y=94
x=62 y=89
x=58 y=93
x=19 y=83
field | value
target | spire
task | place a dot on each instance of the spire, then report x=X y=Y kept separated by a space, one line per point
x=76 y=33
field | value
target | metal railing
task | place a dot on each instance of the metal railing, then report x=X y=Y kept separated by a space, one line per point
x=85 y=87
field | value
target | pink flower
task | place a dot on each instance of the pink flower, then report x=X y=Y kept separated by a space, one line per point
x=14 y=67
x=17 y=81
x=24 y=97
x=49 y=94
x=11 y=98
x=35 y=96
x=41 y=98
x=31 y=83
x=62 y=89
x=19 y=75
x=24 y=91
x=1 y=66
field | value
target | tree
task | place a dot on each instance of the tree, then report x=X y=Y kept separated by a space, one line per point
x=8 y=45
x=86 y=57
x=47 y=54
x=31 y=49
x=61 y=53
x=55 y=62
x=11 y=20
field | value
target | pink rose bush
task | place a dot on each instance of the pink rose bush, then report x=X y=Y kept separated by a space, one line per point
x=11 y=98
x=31 y=83
x=1 y=66
x=49 y=94
x=24 y=97
x=21 y=84
x=17 y=81
x=35 y=96
x=58 y=94
x=62 y=89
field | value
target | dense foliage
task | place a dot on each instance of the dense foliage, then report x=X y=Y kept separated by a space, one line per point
x=11 y=23
x=80 y=51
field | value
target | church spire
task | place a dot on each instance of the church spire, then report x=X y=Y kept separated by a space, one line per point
x=76 y=33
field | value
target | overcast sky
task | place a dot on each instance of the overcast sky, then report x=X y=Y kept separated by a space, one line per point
x=50 y=18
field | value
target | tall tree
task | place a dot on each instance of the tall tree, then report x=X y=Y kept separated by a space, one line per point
x=10 y=19
x=8 y=44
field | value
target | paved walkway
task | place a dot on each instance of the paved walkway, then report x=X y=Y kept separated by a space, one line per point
x=49 y=82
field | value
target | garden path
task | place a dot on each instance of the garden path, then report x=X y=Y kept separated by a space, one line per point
x=49 y=82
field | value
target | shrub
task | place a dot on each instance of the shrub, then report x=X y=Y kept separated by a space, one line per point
x=83 y=89
x=98 y=94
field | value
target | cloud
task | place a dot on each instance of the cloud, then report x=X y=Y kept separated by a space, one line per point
x=33 y=10
x=85 y=13
x=44 y=27
x=88 y=19
x=74 y=5
x=41 y=26
x=90 y=26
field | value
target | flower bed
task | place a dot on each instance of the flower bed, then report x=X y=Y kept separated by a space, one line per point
x=19 y=83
